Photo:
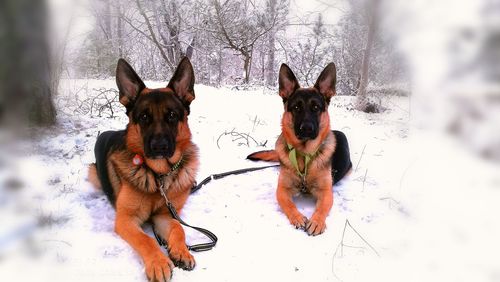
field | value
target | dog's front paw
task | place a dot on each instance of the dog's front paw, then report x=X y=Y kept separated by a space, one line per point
x=298 y=220
x=315 y=226
x=159 y=268
x=181 y=256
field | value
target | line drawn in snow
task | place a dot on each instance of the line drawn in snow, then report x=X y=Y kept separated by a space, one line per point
x=395 y=204
x=339 y=251
x=405 y=172
x=360 y=157
x=256 y=121
x=364 y=180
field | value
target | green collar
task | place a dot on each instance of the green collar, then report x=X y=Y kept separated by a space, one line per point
x=292 y=155
x=173 y=168
x=161 y=177
x=177 y=164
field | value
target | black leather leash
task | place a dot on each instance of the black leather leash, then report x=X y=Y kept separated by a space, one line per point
x=195 y=248
x=213 y=239
x=227 y=173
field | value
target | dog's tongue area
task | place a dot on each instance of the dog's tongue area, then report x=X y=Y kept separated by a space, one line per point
x=159 y=155
x=156 y=157
x=306 y=136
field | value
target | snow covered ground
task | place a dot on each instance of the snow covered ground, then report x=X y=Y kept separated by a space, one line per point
x=417 y=207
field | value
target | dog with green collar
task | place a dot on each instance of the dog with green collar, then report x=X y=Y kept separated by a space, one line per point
x=312 y=157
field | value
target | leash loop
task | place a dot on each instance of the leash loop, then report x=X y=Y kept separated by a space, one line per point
x=195 y=248
x=213 y=238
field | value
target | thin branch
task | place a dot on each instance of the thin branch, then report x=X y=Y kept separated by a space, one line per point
x=137 y=29
x=153 y=36
x=223 y=28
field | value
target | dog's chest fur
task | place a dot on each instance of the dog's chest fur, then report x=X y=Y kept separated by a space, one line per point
x=318 y=170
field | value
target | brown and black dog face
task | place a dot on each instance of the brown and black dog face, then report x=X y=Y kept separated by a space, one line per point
x=306 y=105
x=157 y=117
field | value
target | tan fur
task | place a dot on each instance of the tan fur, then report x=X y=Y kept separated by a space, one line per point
x=269 y=156
x=318 y=177
x=93 y=178
x=138 y=199
x=318 y=181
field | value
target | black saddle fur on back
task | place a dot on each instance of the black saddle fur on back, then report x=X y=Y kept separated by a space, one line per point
x=341 y=159
x=107 y=142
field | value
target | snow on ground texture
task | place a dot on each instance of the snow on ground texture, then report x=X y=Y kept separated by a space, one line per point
x=415 y=208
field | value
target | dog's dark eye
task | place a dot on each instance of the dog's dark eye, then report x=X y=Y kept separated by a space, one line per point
x=315 y=108
x=296 y=108
x=172 y=116
x=144 y=118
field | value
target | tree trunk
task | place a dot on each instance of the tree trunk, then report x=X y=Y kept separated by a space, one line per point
x=262 y=57
x=159 y=27
x=107 y=20
x=25 y=71
x=190 y=48
x=246 y=67
x=172 y=23
x=98 y=59
x=221 y=72
x=152 y=34
x=270 y=71
x=119 y=28
x=362 y=99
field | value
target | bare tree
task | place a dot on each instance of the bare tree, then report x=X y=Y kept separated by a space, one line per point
x=308 y=57
x=379 y=63
x=372 y=8
x=238 y=25
x=152 y=35
x=275 y=12
x=119 y=27
x=157 y=33
x=235 y=41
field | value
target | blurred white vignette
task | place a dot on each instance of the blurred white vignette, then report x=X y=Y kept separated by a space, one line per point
x=452 y=51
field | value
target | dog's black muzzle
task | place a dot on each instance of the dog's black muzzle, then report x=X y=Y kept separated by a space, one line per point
x=306 y=130
x=160 y=147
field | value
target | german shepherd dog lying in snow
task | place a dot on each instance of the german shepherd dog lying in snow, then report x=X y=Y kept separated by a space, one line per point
x=312 y=157
x=153 y=152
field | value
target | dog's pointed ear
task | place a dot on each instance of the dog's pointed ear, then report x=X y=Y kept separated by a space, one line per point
x=182 y=82
x=128 y=82
x=326 y=82
x=287 y=82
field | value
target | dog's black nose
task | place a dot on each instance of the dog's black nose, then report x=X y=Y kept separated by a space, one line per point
x=306 y=128
x=306 y=131
x=159 y=145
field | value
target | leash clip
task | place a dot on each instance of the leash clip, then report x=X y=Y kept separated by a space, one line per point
x=161 y=187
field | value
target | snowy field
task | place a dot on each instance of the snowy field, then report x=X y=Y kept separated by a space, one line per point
x=417 y=207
